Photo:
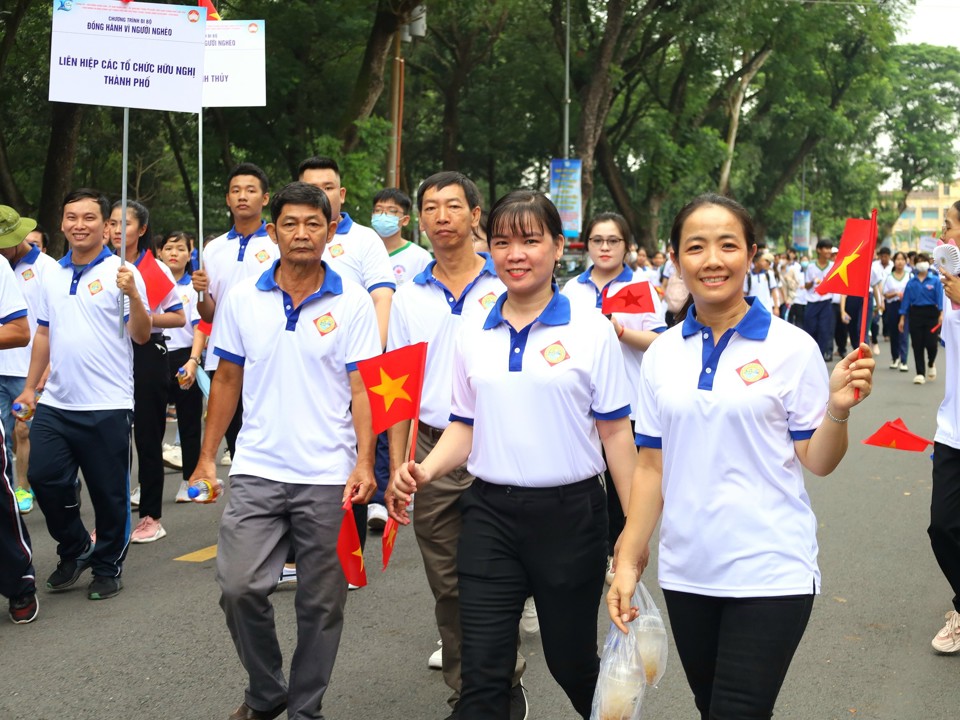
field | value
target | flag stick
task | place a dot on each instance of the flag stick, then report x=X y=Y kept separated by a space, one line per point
x=416 y=415
x=866 y=297
x=200 y=196
x=123 y=205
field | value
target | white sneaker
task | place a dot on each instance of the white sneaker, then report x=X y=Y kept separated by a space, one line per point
x=904 y=367
x=919 y=380
x=529 y=622
x=288 y=575
x=377 y=517
x=147 y=531
x=436 y=659
x=173 y=457
x=351 y=586
x=182 y=496
x=948 y=639
x=226 y=460
x=895 y=365
x=932 y=372
x=875 y=349
x=135 y=497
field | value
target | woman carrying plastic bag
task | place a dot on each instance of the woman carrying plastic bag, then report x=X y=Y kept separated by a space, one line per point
x=733 y=404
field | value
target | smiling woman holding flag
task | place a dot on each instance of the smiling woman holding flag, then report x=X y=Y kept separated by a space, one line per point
x=733 y=405
x=537 y=389
x=150 y=367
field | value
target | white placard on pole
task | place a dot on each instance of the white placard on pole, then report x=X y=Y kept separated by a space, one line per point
x=136 y=55
x=234 y=64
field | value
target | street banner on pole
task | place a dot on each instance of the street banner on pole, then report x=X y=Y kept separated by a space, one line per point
x=234 y=64
x=566 y=194
x=131 y=55
x=801 y=230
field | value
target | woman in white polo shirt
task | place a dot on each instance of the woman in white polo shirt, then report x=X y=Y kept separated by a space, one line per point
x=606 y=237
x=538 y=387
x=738 y=548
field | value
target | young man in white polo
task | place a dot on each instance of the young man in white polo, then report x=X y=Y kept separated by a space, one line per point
x=82 y=422
x=459 y=287
x=289 y=342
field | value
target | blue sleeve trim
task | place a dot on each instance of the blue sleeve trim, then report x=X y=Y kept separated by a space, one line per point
x=648 y=441
x=43 y=323
x=126 y=318
x=615 y=415
x=660 y=329
x=13 y=316
x=195 y=322
x=377 y=286
x=226 y=355
x=174 y=308
x=351 y=366
x=801 y=434
x=465 y=421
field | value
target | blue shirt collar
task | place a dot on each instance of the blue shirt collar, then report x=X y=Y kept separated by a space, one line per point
x=346 y=222
x=426 y=275
x=67 y=260
x=259 y=232
x=626 y=275
x=136 y=263
x=185 y=280
x=31 y=257
x=332 y=283
x=753 y=326
x=557 y=311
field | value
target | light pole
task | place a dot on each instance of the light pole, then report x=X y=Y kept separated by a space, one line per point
x=566 y=91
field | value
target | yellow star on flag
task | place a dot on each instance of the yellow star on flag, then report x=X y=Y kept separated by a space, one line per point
x=359 y=553
x=391 y=388
x=841 y=269
x=392 y=536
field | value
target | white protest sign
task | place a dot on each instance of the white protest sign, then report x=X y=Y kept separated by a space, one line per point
x=134 y=55
x=234 y=69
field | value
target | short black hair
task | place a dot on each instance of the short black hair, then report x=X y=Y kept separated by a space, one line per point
x=88 y=194
x=729 y=204
x=44 y=235
x=884 y=251
x=318 y=162
x=822 y=244
x=248 y=168
x=396 y=195
x=441 y=180
x=299 y=193
x=176 y=236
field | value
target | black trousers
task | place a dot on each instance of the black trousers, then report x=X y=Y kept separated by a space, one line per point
x=189 y=411
x=735 y=652
x=923 y=319
x=855 y=311
x=17 y=576
x=615 y=517
x=944 y=530
x=96 y=442
x=839 y=330
x=547 y=542
x=891 y=326
x=151 y=373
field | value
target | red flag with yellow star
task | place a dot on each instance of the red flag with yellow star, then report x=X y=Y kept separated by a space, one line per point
x=850 y=274
x=212 y=13
x=389 y=538
x=348 y=549
x=895 y=435
x=394 y=382
x=634 y=298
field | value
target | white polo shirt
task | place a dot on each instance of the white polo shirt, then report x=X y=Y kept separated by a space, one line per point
x=409 y=261
x=761 y=285
x=815 y=275
x=737 y=520
x=584 y=293
x=12 y=304
x=91 y=366
x=29 y=273
x=533 y=397
x=426 y=311
x=182 y=337
x=297 y=426
x=357 y=253
x=230 y=258
x=948 y=416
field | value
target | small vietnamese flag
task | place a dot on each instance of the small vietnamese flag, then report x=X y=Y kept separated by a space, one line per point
x=895 y=435
x=850 y=274
x=212 y=13
x=394 y=382
x=634 y=298
x=348 y=548
x=157 y=282
x=389 y=539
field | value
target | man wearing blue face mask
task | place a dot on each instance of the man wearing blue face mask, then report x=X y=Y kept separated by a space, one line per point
x=391 y=212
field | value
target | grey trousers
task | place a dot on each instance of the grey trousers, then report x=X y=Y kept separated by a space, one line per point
x=261 y=519
x=437 y=523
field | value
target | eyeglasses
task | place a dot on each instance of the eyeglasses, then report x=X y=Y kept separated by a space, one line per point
x=612 y=242
x=395 y=212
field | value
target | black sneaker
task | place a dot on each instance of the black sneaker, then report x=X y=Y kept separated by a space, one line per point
x=518 y=702
x=24 y=609
x=104 y=587
x=69 y=571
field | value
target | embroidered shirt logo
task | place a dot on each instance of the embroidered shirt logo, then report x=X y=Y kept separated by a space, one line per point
x=27 y=274
x=325 y=324
x=95 y=287
x=263 y=256
x=488 y=300
x=752 y=372
x=555 y=353
x=336 y=250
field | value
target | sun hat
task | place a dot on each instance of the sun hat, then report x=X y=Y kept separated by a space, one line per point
x=13 y=228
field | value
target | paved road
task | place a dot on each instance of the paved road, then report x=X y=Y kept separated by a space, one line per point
x=161 y=650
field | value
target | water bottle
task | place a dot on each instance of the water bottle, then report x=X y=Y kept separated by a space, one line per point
x=181 y=377
x=22 y=412
x=205 y=491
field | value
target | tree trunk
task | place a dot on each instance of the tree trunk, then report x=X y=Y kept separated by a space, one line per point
x=613 y=179
x=10 y=193
x=736 y=103
x=58 y=171
x=223 y=133
x=176 y=145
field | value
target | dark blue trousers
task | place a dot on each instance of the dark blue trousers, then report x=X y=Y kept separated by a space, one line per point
x=97 y=442
x=17 y=577
x=818 y=321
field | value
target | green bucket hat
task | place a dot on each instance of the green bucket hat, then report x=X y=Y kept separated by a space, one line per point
x=13 y=228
